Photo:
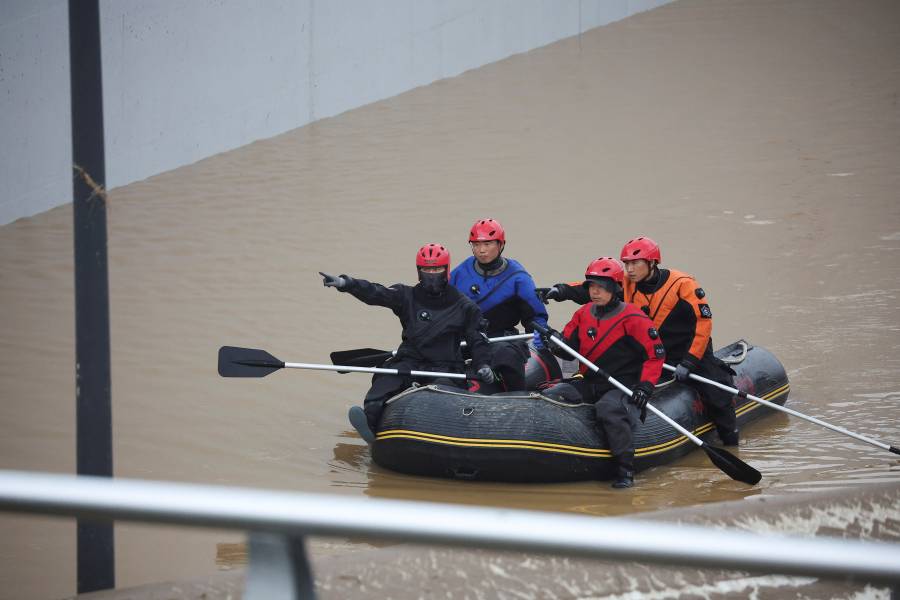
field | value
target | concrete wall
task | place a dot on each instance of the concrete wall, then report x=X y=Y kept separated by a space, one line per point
x=185 y=79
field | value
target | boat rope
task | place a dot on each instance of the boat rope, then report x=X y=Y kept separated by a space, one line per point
x=734 y=359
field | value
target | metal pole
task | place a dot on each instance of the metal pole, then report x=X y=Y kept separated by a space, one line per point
x=279 y=569
x=96 y=557
x=298 y=515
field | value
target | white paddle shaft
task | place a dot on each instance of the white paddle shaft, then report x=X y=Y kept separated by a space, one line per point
x=315 y=367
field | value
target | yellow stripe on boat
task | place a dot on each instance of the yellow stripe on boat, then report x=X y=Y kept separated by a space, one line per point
x=683 y=439
x=489 y=443
x=406 y=434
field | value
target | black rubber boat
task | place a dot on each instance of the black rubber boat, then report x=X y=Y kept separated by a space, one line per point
x=441 y=431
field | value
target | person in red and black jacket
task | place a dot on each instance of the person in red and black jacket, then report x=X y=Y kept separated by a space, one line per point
x=621 y=340
x=680 y=311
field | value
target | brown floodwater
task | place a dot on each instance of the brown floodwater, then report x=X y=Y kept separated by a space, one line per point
x=757 y=142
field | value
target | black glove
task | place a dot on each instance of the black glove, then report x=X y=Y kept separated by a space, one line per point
x=545 y=337
x=683 y=371
x=640 y=395
x=339 y=282
x=485 y=374
x=546 y=294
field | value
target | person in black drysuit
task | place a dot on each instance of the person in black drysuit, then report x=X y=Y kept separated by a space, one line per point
x=435 y=319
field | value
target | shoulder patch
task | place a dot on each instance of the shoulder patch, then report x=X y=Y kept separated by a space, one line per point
x=700 y=293
x=653 y=333
x=705 y=311
x=659 y=350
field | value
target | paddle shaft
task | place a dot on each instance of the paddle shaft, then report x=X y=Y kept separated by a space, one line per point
x=502 y=338
x=291 y=365
x=789 y=411
x=505 y=338
x=622 y=387
x=727 y=463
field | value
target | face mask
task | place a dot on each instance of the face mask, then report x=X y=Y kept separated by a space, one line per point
x=433 y=283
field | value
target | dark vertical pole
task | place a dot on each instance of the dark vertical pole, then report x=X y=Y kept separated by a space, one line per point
x=96 y=558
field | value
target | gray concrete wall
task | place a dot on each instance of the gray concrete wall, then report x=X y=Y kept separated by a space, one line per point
x=185 y=79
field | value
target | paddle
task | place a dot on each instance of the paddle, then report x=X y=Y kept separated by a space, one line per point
x=727 y=462
x=370 y=357
x=361 y=357
x=789 y=411
x=249 y=362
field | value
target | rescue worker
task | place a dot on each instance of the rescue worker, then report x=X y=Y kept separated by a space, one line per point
x=435 y=319
x=505 y=293
x=680 y=311
x=621 y=340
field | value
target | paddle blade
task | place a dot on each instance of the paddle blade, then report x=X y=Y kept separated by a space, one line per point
x=731 y=465
x=246 y=362
x=361 y=357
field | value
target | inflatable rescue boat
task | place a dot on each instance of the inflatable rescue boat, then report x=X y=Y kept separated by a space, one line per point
x=442 y=431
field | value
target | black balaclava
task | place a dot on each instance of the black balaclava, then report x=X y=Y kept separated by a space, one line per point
x=434 y=284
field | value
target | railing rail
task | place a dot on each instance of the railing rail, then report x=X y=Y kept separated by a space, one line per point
x=277 y=522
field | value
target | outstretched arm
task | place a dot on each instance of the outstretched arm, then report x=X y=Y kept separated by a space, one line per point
x=559 y=292
x=373 y=294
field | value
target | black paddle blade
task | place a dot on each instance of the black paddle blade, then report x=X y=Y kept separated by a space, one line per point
x=731 y=465
x=246 y=362
x=361 y=357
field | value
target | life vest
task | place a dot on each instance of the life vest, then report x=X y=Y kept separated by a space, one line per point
x=679 y=309
x=622 y=342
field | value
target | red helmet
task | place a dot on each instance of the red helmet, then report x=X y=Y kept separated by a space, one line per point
x=605 y=266
x=433 y=255
x=487 y=230
x=642 y=247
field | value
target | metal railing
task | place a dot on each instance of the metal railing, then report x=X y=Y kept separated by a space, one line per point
x=278 y=521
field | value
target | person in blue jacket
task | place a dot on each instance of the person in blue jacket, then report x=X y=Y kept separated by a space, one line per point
x=505 y=293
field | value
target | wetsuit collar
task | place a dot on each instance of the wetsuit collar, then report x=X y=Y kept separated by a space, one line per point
x=495 y=267
x=434 y=301
x=610 y=308
x=653 y=281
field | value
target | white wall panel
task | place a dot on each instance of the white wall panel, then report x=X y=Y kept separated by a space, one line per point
x=185 y=79
x=35 y=121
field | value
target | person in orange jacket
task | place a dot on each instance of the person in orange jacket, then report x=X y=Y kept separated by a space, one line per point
x=680 y=311
x=621 y=340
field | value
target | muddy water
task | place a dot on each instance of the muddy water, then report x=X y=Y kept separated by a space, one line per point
x=758 y=142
